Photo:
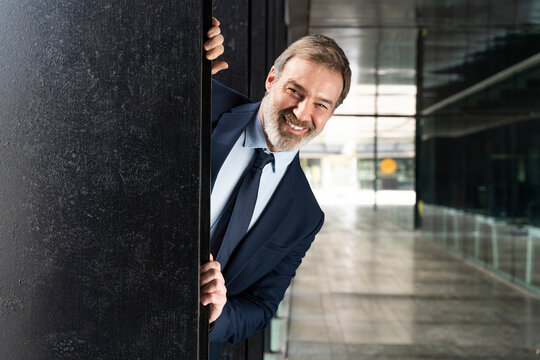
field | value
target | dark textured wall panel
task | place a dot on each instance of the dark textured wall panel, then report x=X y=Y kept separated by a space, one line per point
x=255 y=34
x=235 y=26
x=276 y=32
x=259 y=66
x=99 y=179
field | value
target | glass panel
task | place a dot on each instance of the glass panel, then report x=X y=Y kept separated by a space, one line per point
x=467 y=234
x=533 y=257
x=366 y=174
x=480 y=155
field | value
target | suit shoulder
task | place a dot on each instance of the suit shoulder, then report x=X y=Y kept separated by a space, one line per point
x=224 y=99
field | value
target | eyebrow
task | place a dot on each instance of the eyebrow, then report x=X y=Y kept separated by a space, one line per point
x=302 y=89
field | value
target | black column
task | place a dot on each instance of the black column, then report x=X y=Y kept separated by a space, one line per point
x=100 y=140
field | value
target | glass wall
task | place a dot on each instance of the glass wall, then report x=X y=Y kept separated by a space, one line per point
x=480 y=157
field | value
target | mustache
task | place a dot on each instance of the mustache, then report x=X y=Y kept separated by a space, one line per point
x=290 y=117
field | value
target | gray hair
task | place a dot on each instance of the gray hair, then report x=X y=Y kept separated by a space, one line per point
x=322 y=50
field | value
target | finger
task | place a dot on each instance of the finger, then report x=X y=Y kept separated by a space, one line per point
x=215 y=21
x=215 y=52
x=211 y=257
x=217 y=290
x=206 y=299
x=214 y=42
x=211 y=275
x=213 y=298
x=210 y=265
x=213 y=31
x=214 y=286
x=217 y=66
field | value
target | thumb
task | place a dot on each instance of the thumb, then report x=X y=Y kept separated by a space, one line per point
x=211 y=257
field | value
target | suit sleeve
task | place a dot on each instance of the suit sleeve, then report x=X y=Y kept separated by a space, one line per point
x=249 y=312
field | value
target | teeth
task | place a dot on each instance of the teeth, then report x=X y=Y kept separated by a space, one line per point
x=294 y=126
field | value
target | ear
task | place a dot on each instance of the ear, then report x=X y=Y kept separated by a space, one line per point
x=270 y=78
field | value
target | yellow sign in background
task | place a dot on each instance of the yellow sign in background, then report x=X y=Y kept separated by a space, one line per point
x=388 y=166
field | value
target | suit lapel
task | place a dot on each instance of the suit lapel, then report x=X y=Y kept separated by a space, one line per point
x=267 y=224
x=227 y=131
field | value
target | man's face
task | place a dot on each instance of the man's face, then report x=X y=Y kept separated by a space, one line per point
x=298 y=104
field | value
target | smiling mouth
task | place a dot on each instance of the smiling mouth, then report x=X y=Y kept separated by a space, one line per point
x=297 y=128
x=294 y=127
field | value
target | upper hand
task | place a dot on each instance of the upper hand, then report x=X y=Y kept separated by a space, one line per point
x=214 y=47
x=213 y=290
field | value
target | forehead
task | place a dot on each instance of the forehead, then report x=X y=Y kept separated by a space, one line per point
x=313 y=76
x=299 y=64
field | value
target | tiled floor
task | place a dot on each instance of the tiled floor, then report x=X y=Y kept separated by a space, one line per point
x=369 y=289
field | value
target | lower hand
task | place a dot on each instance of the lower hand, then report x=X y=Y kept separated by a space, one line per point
x=213 y=290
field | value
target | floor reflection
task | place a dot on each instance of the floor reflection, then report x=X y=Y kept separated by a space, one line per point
x=370 y=289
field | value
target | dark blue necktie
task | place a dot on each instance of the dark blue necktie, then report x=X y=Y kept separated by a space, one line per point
x=236 y=216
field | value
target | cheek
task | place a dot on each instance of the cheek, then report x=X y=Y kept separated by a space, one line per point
x=320 y=123
x=279 y=103
x=284 y=101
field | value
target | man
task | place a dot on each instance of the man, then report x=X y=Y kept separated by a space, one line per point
x=254 y=266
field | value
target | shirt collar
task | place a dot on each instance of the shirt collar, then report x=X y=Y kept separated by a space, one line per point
x=254 y=138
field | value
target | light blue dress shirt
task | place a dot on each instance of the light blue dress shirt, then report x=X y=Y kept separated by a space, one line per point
x=236 y=162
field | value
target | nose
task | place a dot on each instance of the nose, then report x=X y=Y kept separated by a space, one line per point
x=302 y=111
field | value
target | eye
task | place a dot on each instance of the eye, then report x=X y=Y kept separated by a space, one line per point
x=322 y=106
x=294 y=92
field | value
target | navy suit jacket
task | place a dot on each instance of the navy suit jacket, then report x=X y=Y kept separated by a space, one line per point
x=263 y=262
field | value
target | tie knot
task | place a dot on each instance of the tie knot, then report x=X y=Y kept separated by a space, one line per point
x=262 y=158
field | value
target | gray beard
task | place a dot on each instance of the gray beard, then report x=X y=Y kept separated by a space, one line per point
x=276 y=135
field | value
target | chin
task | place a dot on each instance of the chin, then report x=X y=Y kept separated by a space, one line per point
x=285 y=143
x=277 y=134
